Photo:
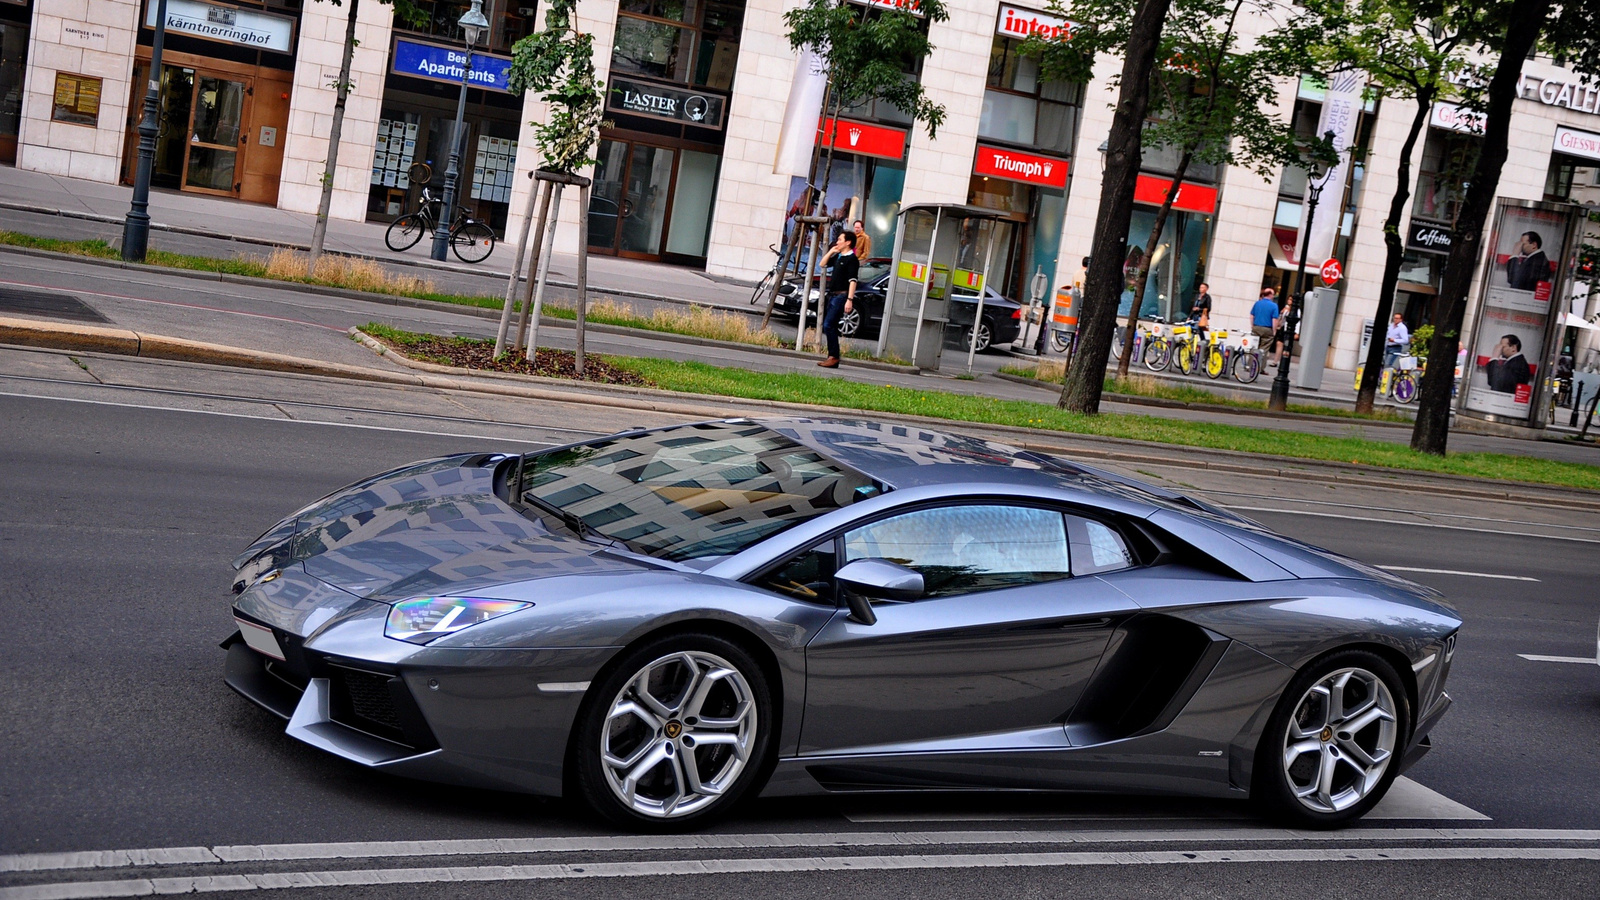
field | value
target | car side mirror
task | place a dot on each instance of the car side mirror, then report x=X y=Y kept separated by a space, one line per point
x=881 y=579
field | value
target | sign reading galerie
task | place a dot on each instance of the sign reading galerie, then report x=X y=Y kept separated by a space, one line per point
x=1025 y=167
x=643 y=98
x=448 y=64
x=229 y=24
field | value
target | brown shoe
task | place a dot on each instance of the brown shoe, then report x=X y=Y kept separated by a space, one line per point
x=831 y=362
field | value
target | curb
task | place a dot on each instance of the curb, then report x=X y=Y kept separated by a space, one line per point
x=1164 y=403
x=118 y=341
x=479 y=312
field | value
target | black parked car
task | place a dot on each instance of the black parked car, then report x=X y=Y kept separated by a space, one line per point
x=1002 y=319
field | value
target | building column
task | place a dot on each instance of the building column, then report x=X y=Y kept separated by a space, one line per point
x=93 y=38
x=939 y=169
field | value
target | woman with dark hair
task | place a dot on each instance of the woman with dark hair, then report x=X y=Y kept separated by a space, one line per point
x=1282 y=335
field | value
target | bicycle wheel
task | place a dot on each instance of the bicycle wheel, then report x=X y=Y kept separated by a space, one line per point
x=1216 y=363
x=1247 y=367
x=472 y=242
x=1158 y=354
x=405 y=231
x=1186 y=358
x=1060 y=340
x=763 y=286
x=1405 y=388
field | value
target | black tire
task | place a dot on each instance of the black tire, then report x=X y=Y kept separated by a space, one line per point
x=1275 y=780
x=985 y=335
x=472 y=242
x=763 y=287
x=588 y=781
x=1247 y=366
x=1158 y=354
x=1059 y=340
x=404 y=232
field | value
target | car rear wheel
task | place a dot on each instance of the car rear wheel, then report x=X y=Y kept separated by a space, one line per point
x=985 y=335
x=850 y=322
x=1329 y=753
x=674 y=735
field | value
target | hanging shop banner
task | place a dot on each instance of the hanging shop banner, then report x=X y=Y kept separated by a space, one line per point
x=1027 y=168
x=913 y=7
x=1152 y=189
x=798 y=136
x=662 y=102
x=1576 y=143
x=229 y=24
x=449 y=64
x=1509 y=342
x=859 y=137
x=1020 y=22
x=1341 y=106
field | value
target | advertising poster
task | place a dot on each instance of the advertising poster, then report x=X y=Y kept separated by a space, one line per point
x=1503 y=368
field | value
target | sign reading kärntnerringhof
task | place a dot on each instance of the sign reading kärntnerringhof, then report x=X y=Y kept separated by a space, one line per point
x=229 y=24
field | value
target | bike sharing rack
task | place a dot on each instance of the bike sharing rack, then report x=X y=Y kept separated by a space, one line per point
x=936 y=248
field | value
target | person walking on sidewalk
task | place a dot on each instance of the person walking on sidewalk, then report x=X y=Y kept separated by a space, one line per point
x=1264 y=320
x=863 y=240
x=841 y=292
x=1396 y=341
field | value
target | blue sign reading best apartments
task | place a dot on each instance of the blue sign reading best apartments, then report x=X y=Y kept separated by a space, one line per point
x=449 y=64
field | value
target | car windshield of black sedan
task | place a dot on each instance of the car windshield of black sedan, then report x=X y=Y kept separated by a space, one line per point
x=694 y=491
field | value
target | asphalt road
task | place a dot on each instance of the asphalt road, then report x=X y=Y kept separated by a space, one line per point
x=123 y=506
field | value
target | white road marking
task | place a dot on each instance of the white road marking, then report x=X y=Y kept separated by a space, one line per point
x=1397 y=509
x=1456 y=572
x=1501 y=532
x=279 y=419
x=1586 y=660
x=206 y=884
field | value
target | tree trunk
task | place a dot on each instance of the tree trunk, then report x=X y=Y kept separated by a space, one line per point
x=1156 y=227
x=817 y=238
x=319 y=233
x=1395 y=249
x=1103 y=283
x=1432 y=430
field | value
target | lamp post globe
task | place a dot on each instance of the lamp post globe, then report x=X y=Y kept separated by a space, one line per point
x=474 y=25
x=1278 y=400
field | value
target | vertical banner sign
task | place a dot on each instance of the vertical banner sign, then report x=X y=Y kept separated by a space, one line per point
x=1340 y=107
x=800 y=116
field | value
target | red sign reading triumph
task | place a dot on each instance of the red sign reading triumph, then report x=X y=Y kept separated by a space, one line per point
x=1017 y=166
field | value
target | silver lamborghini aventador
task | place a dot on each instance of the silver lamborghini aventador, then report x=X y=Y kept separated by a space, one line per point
x=661 y=623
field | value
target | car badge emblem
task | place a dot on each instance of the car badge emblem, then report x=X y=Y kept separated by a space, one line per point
x=673 y=728
x=1327 y=734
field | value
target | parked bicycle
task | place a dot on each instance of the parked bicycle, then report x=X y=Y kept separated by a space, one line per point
x=471 y=240
x=1400 y=382
x=1247 y=359
x=764 y=286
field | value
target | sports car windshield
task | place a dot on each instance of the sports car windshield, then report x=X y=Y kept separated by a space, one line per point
x=691 y=492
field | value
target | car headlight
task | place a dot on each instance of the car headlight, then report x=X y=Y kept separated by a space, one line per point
x=425 y=618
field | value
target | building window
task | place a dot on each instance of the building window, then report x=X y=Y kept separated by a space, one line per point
x=1020 y=109
x=685 y=41
x=509 y=21
x=1447 y=162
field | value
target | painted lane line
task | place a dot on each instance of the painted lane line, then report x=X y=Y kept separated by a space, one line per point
x=1456 y=572
x=789 y=865
x=278 y=419
x=1585 y=660
x=244 y=853
x=1498 y=532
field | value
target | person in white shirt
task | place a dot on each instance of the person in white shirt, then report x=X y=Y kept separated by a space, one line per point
x=1396 y=342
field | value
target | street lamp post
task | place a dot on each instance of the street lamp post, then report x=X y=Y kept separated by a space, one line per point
x=136 y=226
x=1279 y=399
x=473 y=25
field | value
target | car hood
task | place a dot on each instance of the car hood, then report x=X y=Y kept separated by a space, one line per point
x=435 y=527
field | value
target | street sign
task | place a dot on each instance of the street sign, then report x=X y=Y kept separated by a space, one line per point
x=1331 y=273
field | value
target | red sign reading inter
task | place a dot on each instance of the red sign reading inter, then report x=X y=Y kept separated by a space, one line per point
x=1025 y=167
x=1198 y=198
x=868 y=140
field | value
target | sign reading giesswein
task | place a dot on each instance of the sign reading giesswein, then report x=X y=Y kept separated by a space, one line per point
x=1024 y=167
x=448 y=64
x=229 y=24
x=646 y=99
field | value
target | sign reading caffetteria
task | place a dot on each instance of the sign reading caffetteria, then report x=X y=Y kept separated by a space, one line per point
x=663 y=102
x=1014 y=165
x=1021 y=22
x=1576 y=143
x=229 y=24
x=448 y=64
x=1432 y=238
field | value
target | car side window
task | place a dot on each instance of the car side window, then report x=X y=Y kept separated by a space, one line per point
x=807 y=576
x=965 y=549
x=1097 y=547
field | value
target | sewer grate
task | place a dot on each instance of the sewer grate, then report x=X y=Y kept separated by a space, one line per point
x=48 y=305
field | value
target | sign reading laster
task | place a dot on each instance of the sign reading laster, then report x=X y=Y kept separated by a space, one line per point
x=646 y=99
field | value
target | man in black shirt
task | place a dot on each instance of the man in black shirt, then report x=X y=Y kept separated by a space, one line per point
x=841 y=292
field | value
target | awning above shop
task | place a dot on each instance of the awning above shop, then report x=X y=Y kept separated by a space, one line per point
x=1284 y=248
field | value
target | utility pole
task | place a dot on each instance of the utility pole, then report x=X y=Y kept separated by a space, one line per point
x=136 y=226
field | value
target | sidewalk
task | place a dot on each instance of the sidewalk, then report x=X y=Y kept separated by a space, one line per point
x=235 y=220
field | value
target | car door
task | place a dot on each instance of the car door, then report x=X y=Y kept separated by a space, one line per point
x=993 y=656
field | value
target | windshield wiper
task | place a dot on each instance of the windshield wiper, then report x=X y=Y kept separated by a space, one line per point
x=573 y=521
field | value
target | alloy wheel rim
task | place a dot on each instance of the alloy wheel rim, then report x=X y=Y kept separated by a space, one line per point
x=678 y=735
x=850 y=322
x=1340 y=740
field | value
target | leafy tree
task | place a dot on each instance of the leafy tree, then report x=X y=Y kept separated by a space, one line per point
x=559 y=60
x=1417 y=50
x=404 y=10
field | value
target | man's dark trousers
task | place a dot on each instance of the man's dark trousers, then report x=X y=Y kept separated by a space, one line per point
x=830 y=322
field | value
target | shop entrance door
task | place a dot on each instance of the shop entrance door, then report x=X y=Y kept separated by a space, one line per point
x=632 y=193
x=203 y=123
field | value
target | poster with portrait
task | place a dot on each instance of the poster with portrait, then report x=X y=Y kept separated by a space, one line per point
x=1503 y=367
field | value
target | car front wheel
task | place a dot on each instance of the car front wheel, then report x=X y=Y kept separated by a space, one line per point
x=674 y=735
x=1330 y=750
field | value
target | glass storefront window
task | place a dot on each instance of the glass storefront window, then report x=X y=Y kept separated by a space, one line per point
x=691 y=203
x=673 y=40
x=1020 y=109
x=652 y=49
x=13 y=55
x=1447 y=161
x=509 y=21
x=1008 y=117
x=1175 y=263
